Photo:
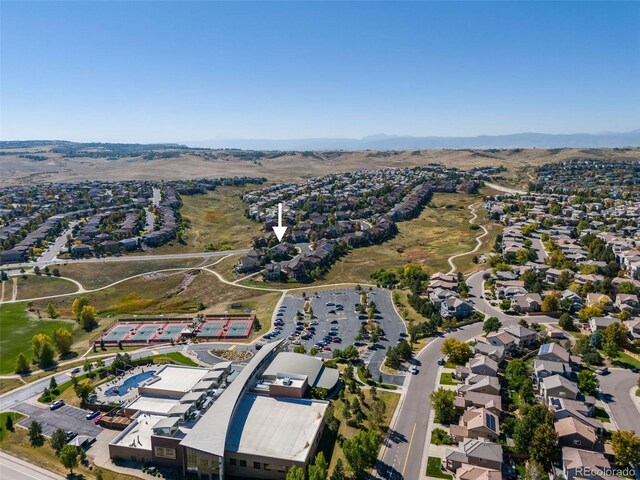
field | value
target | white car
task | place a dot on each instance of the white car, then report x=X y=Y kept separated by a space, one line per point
x=413 y=369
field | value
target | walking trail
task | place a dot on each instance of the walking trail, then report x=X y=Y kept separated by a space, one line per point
x=479 y=238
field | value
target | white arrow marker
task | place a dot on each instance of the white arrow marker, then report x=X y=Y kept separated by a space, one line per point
x=280 y=230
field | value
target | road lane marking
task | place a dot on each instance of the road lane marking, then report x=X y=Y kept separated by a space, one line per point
x=404 y=467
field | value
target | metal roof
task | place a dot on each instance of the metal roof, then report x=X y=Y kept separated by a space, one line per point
x=210 y=433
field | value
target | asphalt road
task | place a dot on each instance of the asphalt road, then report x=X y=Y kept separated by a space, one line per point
x=12 y=468
x=403 y=448
x=616 y=386
x=401 y=454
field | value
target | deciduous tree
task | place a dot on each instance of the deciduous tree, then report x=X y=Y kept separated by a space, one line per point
x=626 y=448
x=69 y=457
x=62 y=339
x=442 y=401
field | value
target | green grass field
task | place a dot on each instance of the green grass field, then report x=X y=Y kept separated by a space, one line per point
x=31 y=286
x=17 y=326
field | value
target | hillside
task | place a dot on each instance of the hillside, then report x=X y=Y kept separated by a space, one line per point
x=33 y=162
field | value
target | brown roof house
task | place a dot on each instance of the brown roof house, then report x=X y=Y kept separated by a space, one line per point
x=471 y=472
x=476 y=423
x=574 y=433
x=579 y=464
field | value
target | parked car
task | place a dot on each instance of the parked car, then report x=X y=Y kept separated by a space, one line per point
x=330 y=304
x=441 y=361
x=334 y=321
x=413 y=369
x=97 y=420
x=91 y=415
x=76 y=370
x=57 y=404
x=602 y=371
x=71 y=435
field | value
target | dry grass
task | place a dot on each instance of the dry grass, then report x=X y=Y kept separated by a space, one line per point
x=96 y=275
x=428 y=240
x=30 y=286
x=217 y=222
x=289 y=166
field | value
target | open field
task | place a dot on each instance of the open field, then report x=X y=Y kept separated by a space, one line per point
x=30 y=286
x=428 y=240
x=279 y=165
x=216 y=222
x=93 y=275
x=17 y=326
x=173 y=292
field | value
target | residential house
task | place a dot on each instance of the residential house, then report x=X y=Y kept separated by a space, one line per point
x=526 y=303
x=580 y=464
x=455 y=308
x=553 y=352
x=476 y=423
x=493 y=403
x=573 y=433
x=600 y=323
x=480 y=384
x=474 y=452
x=473 y=472
x=524 y=337
x=558 y=386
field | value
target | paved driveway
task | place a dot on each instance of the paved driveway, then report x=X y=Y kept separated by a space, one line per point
x=65 y=417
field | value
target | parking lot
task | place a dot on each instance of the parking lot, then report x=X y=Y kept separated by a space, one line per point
x=66 y=417
x=336 y=309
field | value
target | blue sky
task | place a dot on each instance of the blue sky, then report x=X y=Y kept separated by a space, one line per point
x=190 y=71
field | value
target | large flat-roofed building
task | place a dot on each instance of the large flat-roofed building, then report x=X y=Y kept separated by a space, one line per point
x=241 y=429
x=270 y=434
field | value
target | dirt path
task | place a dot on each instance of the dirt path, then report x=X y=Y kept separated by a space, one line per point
x=14 y=294
x=479 y=238
x=2 y=292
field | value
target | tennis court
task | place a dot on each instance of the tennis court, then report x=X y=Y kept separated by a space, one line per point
x=171 y=332
x=145 y=333
x=212 y=329
x=118 y=333
x=238 y=328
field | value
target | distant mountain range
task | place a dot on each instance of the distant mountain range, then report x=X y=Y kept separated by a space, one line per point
x=396 y=142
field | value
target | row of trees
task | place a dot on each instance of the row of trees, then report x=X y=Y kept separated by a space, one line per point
x=44 y=350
